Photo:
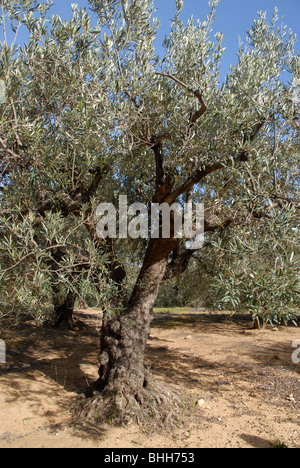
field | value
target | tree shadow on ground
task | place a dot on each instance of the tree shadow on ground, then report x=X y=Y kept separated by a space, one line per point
x=46 y=364
x=206 y=322
x=257 y=442
x=69 y=362
x=193 y=372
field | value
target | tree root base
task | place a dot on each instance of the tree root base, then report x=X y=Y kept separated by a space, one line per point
x=159 y=407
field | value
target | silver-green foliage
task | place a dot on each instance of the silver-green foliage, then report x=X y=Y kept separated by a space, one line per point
x=45 y=258
x=258 y=269
x=82 y=99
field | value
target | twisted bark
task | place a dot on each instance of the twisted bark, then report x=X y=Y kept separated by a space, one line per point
x=123 y=379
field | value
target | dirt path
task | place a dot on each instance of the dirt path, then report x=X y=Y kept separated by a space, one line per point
x=246 y=381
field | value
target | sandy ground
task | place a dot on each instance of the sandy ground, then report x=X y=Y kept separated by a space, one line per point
x=249 y=386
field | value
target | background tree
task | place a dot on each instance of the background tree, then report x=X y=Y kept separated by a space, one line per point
x=53 y=150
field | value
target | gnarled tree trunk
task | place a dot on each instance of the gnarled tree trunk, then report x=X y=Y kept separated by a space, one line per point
x=64 y=310
x=123 y=379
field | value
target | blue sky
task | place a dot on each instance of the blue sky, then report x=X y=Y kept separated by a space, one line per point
x=234 y=18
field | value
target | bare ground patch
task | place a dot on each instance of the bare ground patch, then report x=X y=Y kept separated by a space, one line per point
x=245 y=381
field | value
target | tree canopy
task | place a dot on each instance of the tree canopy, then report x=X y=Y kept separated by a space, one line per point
x=94 y=112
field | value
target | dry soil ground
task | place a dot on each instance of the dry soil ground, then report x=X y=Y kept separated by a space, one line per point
x=249 y=386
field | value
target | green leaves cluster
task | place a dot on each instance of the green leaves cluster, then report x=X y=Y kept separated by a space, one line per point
x=45 y=256
x=85 y=105
x=259 y=269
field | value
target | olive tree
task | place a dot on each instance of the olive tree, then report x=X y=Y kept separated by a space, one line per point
x=184 y=135
x=100 y=114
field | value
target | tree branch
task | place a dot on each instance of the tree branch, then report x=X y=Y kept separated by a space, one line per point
x=200 y=174
x=99 y=173
x=179 y=263
x=198 y=114
x=195 y=179
x=146 y=134
x=198 y=94
x=182 y=256
x=158 y=140
x=160 y=173
x=8 y=150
